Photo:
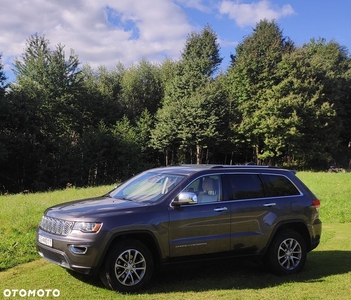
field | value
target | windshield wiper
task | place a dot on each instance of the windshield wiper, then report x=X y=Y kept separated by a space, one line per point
x=127 y=199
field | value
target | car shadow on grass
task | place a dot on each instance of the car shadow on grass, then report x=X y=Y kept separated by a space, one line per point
x=236 y=274
x=245 y=274
x=93 y=280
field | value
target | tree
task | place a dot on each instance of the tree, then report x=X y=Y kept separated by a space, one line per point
x=251 y=77
x=303 y=107
x=201 y=53
x=128 y=159
x=94 y=157
x=141 y=89
x=164 y=133
x=53 y=81
x=202 y=119
x=3 y=122
x=2 y=79
x=289 y=107
x=192 y=106
x=143 y=128
x=3 y=86
x=199 y=61
x=331 y=65
x=45 y=112
x=101 y=95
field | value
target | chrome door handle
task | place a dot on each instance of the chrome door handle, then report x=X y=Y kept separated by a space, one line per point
x=221 y=209
x=270 y=204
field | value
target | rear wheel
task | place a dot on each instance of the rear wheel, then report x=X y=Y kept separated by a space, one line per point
x=128 y=266
x=287 y=253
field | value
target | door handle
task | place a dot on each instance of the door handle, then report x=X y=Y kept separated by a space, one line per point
x=270 y=204
x=221 y=209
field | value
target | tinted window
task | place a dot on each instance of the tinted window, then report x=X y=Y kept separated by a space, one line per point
x=244 y=186
x=275 y=185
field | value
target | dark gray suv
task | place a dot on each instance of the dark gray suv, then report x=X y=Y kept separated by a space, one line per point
x=181 y=213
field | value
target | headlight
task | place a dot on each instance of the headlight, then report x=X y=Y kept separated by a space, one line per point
x=88 y=227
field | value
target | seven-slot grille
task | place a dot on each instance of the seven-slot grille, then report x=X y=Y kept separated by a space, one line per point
x=56 y=226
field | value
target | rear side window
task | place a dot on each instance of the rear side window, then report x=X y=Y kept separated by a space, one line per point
x=244 y=186
x=276 y=185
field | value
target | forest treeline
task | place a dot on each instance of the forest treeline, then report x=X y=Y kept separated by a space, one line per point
x=66 y=123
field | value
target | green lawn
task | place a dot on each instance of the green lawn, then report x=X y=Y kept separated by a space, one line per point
x=334 y=192
x=327 y=274
x=20 y=215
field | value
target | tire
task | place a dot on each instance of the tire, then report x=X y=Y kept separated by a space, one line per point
x=128 y=266
x=287 y=253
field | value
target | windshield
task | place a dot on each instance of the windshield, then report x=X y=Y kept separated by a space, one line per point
x=148 y=186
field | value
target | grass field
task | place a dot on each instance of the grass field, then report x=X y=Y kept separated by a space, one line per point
x=20 y=215
x=327 y=274
x=334 y=192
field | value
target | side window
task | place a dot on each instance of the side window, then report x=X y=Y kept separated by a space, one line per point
x=244 y=186
x=207 y=188
x=276 y=185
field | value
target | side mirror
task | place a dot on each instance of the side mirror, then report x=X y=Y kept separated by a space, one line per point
x=185 y=198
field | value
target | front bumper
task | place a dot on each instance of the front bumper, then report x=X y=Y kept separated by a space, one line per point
x=75 y=253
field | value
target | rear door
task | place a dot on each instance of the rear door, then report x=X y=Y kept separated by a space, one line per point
x=200 y=228
x=252 y=215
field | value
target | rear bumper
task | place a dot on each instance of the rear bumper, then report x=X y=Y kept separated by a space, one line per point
x=316 y=234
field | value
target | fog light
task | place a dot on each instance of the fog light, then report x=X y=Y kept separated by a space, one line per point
x=78 y=249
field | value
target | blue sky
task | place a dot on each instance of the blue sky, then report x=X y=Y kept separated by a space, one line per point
x=105 y=32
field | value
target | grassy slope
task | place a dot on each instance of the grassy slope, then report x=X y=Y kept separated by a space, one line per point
x=20 y=216
x=334 y=192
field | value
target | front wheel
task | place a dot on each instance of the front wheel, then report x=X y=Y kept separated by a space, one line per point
x=287 y=253
x=128 y=266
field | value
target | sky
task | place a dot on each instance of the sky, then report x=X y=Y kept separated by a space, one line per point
x=106 y=32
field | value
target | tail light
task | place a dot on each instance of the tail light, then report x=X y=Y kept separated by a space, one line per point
x=316 y=203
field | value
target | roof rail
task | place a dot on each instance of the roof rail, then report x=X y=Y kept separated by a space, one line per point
x=243 y=166
x=218 y=166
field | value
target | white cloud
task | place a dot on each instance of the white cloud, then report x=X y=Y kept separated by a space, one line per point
x=196 y=4
x=105 y=32
x=100 y=32
x=250 y=14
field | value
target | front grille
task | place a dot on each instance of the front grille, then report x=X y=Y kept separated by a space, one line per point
x=56 y=226
x=55 y=257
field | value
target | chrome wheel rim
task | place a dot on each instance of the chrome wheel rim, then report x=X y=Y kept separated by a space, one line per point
x=130 y=267
x=289 y=254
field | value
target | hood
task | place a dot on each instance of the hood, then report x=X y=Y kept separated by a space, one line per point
x=93 y=208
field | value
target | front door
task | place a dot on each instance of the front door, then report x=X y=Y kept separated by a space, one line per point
x=201 y=228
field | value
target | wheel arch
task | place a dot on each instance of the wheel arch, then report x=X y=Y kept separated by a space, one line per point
x=298 y=226
x=144 y=237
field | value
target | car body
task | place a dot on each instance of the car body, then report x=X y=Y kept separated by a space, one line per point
x=180 y=213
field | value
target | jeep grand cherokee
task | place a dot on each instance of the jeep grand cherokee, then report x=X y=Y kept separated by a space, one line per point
x=177 y=213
